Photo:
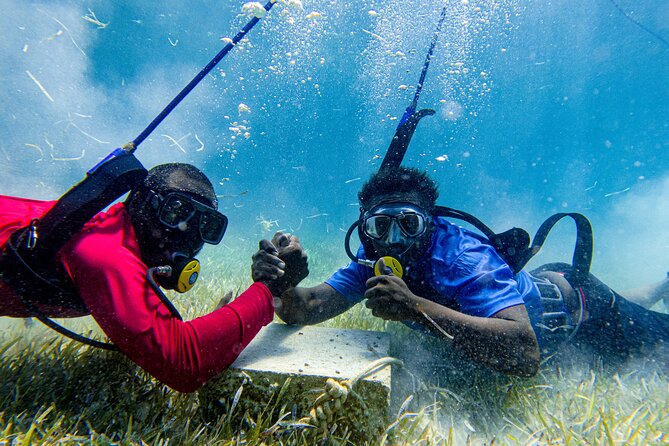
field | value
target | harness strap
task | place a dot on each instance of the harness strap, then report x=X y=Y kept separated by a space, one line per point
x=582 y=257
x=514 y=245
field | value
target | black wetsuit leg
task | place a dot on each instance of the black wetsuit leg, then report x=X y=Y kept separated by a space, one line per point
x=615 y=327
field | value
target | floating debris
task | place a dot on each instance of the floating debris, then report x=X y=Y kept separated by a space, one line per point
x=92 y=18
x=238 y=129
x=54 y=35
x=316 y=216
x=201 y=148
x=243 y=108
x=39 y=149
x=298 y=227
x=267 y=224
x=70 y=123
x=375 y=35
x=175 y=142
x=352 y=180
x=74 y=158
x=442 y=158
x=69 y=34
x=617 y=192
x=41 y=87
x=88 y=134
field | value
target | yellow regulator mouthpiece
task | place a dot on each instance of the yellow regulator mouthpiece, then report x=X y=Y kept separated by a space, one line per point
x=392 y=263
x=188 y=276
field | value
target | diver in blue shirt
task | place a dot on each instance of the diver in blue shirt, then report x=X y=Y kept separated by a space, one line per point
x=456 y=286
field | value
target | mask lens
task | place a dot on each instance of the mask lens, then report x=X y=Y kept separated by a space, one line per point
x=376 y=226
x=176 y=210
x=212 y=227
x=411 y=224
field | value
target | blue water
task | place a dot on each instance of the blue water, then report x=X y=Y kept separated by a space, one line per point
x=542 y=107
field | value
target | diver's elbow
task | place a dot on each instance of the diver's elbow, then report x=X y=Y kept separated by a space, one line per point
x=528 y=364
x=529 y=369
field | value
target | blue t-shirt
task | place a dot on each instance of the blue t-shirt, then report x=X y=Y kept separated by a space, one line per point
x=460 y=271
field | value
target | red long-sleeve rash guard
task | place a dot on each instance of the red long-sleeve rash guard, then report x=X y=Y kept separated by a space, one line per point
x=104 y=263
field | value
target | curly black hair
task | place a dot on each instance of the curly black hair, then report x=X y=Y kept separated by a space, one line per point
x=179 y=177
x=408 y=183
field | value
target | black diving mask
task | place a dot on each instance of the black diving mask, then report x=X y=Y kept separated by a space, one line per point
x=395 y=228
x=391 y=223
x=176 y=210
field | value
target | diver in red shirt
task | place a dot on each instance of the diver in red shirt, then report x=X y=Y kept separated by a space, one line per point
x=171 y=214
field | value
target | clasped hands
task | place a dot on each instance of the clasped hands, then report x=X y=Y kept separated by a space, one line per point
x=280 y=263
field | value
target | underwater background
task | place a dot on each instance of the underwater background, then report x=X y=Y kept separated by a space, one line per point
x=542 y=107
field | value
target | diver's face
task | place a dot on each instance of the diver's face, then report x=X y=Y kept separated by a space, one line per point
x=172 y=226
x=397 y=229
x=167 y=242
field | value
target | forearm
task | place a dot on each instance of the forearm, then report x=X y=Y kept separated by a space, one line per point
x=308 y=306
x=184 y=355
x=504 y=345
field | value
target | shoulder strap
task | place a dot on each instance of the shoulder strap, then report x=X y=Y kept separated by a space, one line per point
x=582 y=258
x=443 y=211
x=514 y=245
x=28 y=262
x=101 y=187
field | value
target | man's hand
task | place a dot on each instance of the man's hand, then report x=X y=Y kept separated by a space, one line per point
x=267 y=267
x=389 y=297
x=280 y=264
x=294 y=257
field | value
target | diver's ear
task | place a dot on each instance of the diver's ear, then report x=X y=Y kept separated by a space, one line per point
x=134 y=200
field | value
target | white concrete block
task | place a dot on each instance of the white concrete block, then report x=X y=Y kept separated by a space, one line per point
x=296 y=362
x=315 y=351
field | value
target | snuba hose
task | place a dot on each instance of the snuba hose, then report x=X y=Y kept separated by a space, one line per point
x=196 y=80
x=407 y=125
x=130 y=147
